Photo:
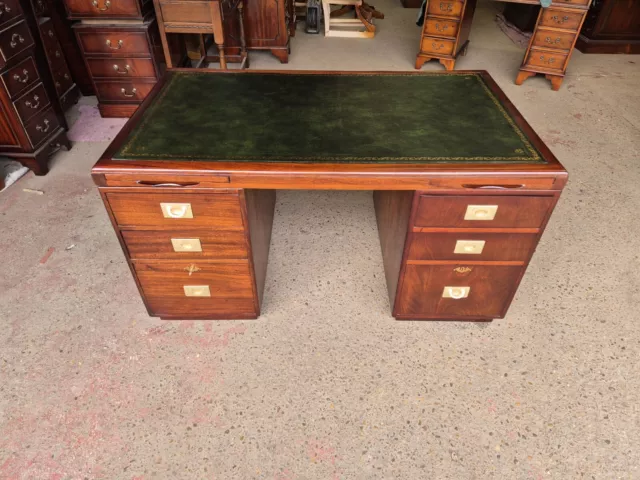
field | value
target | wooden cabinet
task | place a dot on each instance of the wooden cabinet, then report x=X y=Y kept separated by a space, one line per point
x=267 y=23
x=32 y=125
x=611 y=26
x=445 y=32
x=120 y=44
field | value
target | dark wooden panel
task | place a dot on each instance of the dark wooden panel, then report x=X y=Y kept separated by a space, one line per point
x=8 y=138
x=393 y=209
x=491 y=288
x=230 y=285
x=143 y=209
x=32 y=102
x=216 y=244
x=513 y=211
x=17 y=79
x=260 y=207
x=498 y=246
x=611 y=26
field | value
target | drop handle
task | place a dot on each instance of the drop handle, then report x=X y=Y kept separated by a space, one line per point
x=120 y=44
x=132 y=94
x=15 y=39
x=492 y=187
x=35 y=105
x=44 y=129
x=150 y=183
x=4 y=8
x=107 y=4
x=23 y=79
x=126 y=70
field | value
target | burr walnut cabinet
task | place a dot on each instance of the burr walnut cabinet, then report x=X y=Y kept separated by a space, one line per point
x=462 y=186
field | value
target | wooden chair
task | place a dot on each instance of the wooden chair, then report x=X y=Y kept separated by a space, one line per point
x=202 y=17
x=360 y=28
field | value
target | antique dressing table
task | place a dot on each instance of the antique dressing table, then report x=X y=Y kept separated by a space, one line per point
x=463 y=187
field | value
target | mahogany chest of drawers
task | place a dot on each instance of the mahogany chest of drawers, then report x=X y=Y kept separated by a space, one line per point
x=445 y=32
x=32 y=125
x=458 y=219
x=121 y=47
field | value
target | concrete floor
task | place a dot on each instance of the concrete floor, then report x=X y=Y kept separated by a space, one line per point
x=326 y=385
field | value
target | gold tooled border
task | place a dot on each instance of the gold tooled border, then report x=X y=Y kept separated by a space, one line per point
x=125 y=152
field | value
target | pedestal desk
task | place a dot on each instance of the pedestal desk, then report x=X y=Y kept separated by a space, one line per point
x=463 y=187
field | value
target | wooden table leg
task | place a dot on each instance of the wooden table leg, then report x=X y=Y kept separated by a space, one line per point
x=523 y=75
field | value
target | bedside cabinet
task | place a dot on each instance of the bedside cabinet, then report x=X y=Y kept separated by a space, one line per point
x=445 y=31
x=121 y=47
x=32 y=126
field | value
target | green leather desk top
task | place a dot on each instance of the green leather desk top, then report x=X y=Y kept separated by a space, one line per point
x=327 y=118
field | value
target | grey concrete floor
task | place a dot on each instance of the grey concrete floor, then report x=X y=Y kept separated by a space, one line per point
x=326 y=385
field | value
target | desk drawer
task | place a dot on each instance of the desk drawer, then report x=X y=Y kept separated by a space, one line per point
x=437 y=46
x=128 y=91
x=17 y=79
x=482 y=211
x=10 y=10
x=440 y=291
x=185 y=244
x=121 y=67
x=554 y=39
x=178 y=210
x=104 y=8
x=114 y=43
x=547 y=59
x=572 y=2
x=13 y=41
x=32 y=102
x=211 y=288
x=42 y=126
x=439 y=27
x=561 y=19
x=472 y=246
x=445 y=8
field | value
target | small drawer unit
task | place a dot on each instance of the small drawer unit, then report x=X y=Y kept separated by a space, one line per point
x=445 y=31
x=121 y=47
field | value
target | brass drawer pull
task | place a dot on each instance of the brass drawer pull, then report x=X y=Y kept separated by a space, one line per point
x=481 y=212
x=4 y=8
x=556 y=19
x=149 y=183
x=552 y=42
x=547 y=60
x=192 y=269
x=120 y=44
x=15 y=39
x=197 y=290
x=176 y=210
x=44 y=129
x=442 y=29
x=107 y=4
x=446 y=7
x=50 y=33
x=491 y=187
x=456 y=292
x=436 y=46
x=126 y=70
x=36 y=99
x=132 y=94
x=24 y=79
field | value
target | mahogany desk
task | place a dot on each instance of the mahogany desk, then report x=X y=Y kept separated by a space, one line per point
x=463 y=187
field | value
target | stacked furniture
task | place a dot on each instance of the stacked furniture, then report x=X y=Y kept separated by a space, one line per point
x=41 y=22
x=445 y=31
x=611 y=26
x=121 y=47
x=32 y=125
x=553 y=40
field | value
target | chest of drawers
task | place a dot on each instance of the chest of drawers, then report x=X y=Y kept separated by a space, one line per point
x=32 y=125
x=445 y=32
x=120 y=44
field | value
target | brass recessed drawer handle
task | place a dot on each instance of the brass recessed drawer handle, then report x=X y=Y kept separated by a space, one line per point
x=197 y=290
x=35 y=105
x=186 y=245
x=132 y=94
x=469 y=247
x=481 y=212
x=126 y=70
x=492 y=187
x=24 y=79
x=120 y=44
x=15 y=39
x=176 y=210
x=456 y=292
x=150 y=183
x=44 y=129
x=107 y=4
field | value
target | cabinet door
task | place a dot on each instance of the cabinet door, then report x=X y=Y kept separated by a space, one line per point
x=619 y=18
x=264 y=24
